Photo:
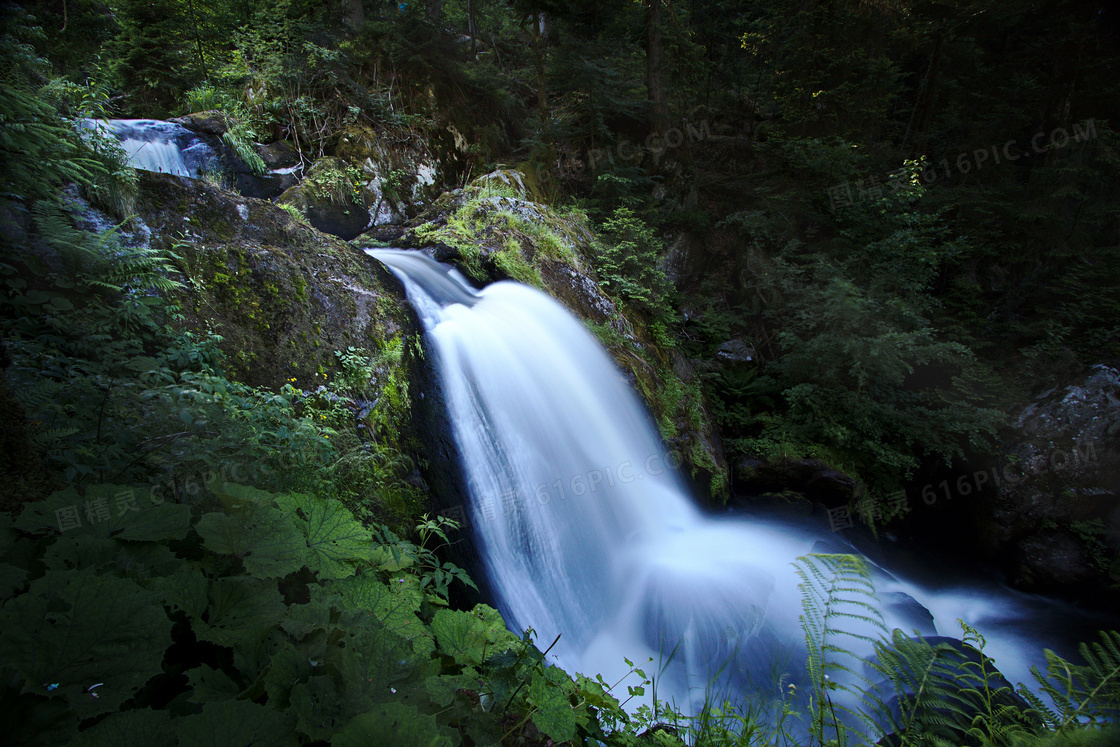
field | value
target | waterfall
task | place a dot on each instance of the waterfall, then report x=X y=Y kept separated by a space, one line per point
x=164 y=147
x=586 y=530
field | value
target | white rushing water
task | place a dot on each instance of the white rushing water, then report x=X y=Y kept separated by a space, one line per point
x=587 y=532
x=163 y=147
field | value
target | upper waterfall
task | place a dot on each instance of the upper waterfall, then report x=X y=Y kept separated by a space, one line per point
x=163 y=147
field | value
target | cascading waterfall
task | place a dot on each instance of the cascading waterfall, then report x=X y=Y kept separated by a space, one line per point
x=164 y=147
x=587 y=532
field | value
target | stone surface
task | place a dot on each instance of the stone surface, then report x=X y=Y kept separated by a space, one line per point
x=211 y=122
x=326 y=198
x=811 y=478
x=282 y=295
x=1055 y=520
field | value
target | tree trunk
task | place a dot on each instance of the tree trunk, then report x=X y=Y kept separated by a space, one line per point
x=354 y=14
x=659 y=108
x=542 y=82
x=470 y=26
x=432 y=10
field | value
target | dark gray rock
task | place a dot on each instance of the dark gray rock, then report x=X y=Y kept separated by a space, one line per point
x=1055 y=519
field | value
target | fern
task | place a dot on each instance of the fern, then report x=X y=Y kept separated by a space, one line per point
x=1081 y=693
x=838 y=604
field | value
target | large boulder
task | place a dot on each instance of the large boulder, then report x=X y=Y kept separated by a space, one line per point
x=282 y=295
x=1055 y=520
x=211 y=122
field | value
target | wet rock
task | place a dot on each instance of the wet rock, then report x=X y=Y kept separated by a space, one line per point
x=326 y=198
x=736 y=351
x=1055 y=518
x=212 y=122
x=278 y=155
x=496 y=228
x=283 y=296
x=1053 y=560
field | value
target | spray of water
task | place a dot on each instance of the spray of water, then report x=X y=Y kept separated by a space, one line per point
x=587 y=532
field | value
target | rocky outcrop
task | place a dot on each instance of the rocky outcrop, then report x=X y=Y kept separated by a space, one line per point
x=810 y=478
x=282 y=295
x=211 y=122
x=1055 y=521
x=496 y=229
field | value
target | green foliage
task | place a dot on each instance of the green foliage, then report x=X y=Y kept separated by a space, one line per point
x=628 y=263
x=240 y=138
x=1088 y=692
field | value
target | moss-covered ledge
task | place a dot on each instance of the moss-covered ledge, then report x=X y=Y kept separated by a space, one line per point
x=495 y=228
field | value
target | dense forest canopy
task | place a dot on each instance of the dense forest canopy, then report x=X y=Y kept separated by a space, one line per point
x=875 y=230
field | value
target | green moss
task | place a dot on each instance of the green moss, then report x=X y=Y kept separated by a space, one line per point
x=510 y=260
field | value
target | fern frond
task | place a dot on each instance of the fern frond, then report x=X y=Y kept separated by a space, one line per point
x=1087 y=692
x=838 y=602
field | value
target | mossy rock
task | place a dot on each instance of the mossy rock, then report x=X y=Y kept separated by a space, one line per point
x=282 y=295
x=330 y=198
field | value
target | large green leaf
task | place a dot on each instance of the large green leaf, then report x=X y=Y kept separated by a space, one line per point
x=395 y=609
x=118 y=511
x=554 y=714
x=469 y=637
x=265 y=539
x=303 y=619
x=337 y=540
x=238 y=608
x=11 y=579
x=235 y=723
x=78 y=629
x=138 y=728
x=287 y=668
x=209 y=684
x=77 y=551
x=235 y=497
x=186 y=589
x=392 y=724
x=317 y=704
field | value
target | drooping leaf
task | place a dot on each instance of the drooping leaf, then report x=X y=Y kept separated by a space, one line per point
x=286 y=669
x=238 y=607
x=392 y=723
x=11 y=579
x=235 y=497
x=267 y=542
x=186 y=590
x=79 y=629
x=117 y=511
x=302 y=619
x=318 y=706
x=136 y=728
x=209 y=684
x=77 y=551
x=337 y=540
